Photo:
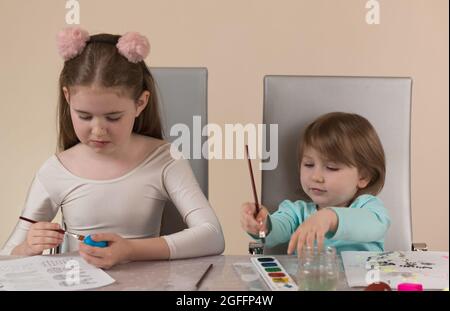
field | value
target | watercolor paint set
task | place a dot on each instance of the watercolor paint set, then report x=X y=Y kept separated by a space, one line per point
x=274 y=274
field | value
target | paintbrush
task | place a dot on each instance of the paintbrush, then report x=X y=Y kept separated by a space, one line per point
x=199 y=282
x=76 y=236
x=262 y=234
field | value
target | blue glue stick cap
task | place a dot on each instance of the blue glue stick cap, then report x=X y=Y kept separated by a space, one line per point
x=88 y=240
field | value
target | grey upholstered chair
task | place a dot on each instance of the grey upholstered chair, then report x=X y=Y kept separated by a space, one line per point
x=183 y=95
x=294 y=101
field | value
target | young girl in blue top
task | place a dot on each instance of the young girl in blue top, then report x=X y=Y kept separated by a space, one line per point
x=113 y=173
x=342 y=169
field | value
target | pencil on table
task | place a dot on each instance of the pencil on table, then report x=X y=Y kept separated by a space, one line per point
x=199 y=282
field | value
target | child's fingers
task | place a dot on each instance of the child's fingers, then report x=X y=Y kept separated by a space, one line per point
x=243 y=224
x=98 y=252
x=300 y=243
x=262 y=226
x=39 y=240
x=45 y=240
x=247 y=218
x=247 y=227
x=320 y=239
x=95 y=261
x=262 y=215
x=38 y=249
x=47 y=233
x=249 y=208
x=46 y=226
x=104 y=237
x=310 y=238
x=251 y=221
x=261 y=219
x=89 y=259
x=293 y=242
x=38 y=246
x=99 y=257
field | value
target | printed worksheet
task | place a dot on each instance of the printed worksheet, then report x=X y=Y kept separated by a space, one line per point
x=51 y=273
x=427 y=268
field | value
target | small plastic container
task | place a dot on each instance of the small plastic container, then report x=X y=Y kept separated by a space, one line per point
x=318 y=270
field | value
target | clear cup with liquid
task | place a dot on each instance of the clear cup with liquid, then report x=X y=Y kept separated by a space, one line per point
x=318 y=269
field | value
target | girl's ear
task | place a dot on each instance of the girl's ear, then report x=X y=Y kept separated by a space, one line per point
x=142 y=102
x=66 y=94
x=364 y=180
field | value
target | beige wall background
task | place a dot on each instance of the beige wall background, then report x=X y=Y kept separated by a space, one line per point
x=239 y=42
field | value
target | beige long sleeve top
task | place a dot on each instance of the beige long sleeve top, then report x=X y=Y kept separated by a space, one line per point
x=131 y=205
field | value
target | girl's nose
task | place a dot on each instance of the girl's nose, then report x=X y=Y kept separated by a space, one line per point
x=98 y=129
x=317 y=176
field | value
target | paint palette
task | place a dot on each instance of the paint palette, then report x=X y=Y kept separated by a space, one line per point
x=273 y=273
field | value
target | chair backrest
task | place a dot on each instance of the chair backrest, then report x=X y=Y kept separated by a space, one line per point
x=292 y=102
x=182 y=95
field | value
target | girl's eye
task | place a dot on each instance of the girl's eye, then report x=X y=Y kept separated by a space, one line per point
x=308 y=164
x=113 y=119
x=331 y=168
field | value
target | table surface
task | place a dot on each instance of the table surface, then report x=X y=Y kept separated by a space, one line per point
x=182 y=275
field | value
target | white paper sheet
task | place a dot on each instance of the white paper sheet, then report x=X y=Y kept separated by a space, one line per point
x=55 y=273
x=427 y=268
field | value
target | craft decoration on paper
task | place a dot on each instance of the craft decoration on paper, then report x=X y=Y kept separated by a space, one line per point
x=55 y=273
x=427 y=268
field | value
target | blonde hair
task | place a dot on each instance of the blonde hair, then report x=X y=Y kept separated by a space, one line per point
x=349 y=139
x=102 y=65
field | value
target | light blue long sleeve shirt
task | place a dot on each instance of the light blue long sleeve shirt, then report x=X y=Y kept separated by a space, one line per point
x=361 y=226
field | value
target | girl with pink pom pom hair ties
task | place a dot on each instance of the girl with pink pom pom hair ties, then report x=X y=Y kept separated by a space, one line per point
x=113 y=172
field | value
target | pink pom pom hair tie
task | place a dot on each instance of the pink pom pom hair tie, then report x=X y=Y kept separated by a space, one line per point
x=133 y=46
x=72 y=40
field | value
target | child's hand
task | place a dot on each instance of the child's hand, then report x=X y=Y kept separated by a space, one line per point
x=312 y=229
x=252 y=224
x=42 y=236
x=117 y=251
